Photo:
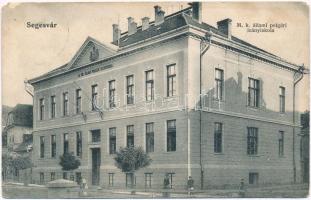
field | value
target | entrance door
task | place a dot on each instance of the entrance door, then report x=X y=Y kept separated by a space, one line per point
x=95 y=166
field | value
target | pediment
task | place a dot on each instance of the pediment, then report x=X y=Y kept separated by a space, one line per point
x=90 y=51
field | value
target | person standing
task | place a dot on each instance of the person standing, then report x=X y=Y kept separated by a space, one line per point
x=190 y=185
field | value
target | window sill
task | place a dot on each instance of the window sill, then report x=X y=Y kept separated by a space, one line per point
x=253 y=155
x=219 y=100
x=170 y=98
x=253 y=108
x=221 y=153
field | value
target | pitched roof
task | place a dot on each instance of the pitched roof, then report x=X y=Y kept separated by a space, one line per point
x=21 y=115
x=171 y=23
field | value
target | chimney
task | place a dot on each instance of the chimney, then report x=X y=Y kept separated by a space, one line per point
x=116 y=33
x=145 y=23
x=158 y=15
x=197 y=11
x=132 y=26
x=225 y=27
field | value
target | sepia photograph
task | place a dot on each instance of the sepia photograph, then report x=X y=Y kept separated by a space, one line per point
x=155 y=99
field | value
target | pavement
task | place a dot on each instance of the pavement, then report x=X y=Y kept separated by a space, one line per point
x=18 y=190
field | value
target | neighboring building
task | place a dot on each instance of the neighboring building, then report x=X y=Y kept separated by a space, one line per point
x=146 y=92
x=18 y=127
x=17 y=135
x=304 y=146
x=5 y=112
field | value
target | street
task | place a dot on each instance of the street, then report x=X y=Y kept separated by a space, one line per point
x=285 y=191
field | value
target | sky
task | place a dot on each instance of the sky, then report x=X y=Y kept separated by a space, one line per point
x=27 y=53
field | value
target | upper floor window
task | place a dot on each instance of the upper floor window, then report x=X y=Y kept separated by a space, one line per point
x=41 y=109
x=112 y=140
x=149 y=138
x=94 y=96
x=253 y=92
x=149 y=85
x=130 y=89
x=42 y=142
x=65 y=103
x=171 y=80
x=282 y=99
x=95 y=134
x=112 y=90
x=252 y=140
x=130 y=135
x=219 y=83
x=78 y=101
x=281 y=143
x=53 y=106
x=218 y=138
x=66 y=143
x=171 y=135
x=79 y=143
x=53 y=146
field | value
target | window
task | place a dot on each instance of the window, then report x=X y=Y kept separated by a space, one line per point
x=65 y=175
x=219 y=83
x=130 y=180
x=112 y=89
x=53 y=146
x=110 y=179
x=78 y=178
x=65 y=103
x=282 y=99
x=42 y=146
x=148 y=180
x=171 y=178
x=130 y=135
x=253 y=92
x=218 y=138
x=149 y=138
x=78 y=101
x=112 y=140
x=252 y=140
x=41 y=178
x=253 y=178
x=149 y=86
x=52 y=176
x=95 y=135
x=281 y=143
x=53 y=105
x=171 y=135
x=41 y=112
x=130 y=89
x=171 y=80
x=79 y=143
x=66 y=143
x=94 y=96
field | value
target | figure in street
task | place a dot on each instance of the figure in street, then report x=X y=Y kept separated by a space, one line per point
x=190 y=186
x=166 y=185
x=242 y=188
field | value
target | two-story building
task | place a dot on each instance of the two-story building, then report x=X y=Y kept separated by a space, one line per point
x=200 y=101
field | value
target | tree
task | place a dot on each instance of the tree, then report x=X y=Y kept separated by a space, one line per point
x=131 y=159
x=12 y=161
x=69 y=162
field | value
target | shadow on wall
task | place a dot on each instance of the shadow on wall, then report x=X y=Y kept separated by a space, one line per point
x=236 y=100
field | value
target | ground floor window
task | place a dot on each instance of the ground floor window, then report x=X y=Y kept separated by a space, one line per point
x=253 y=178
x=65 y=175
x=78 y=177
x=110 y=179
x=41 y=178
x=171 y=178
x=130 y=180
x=148 y=180
x=52 y=176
